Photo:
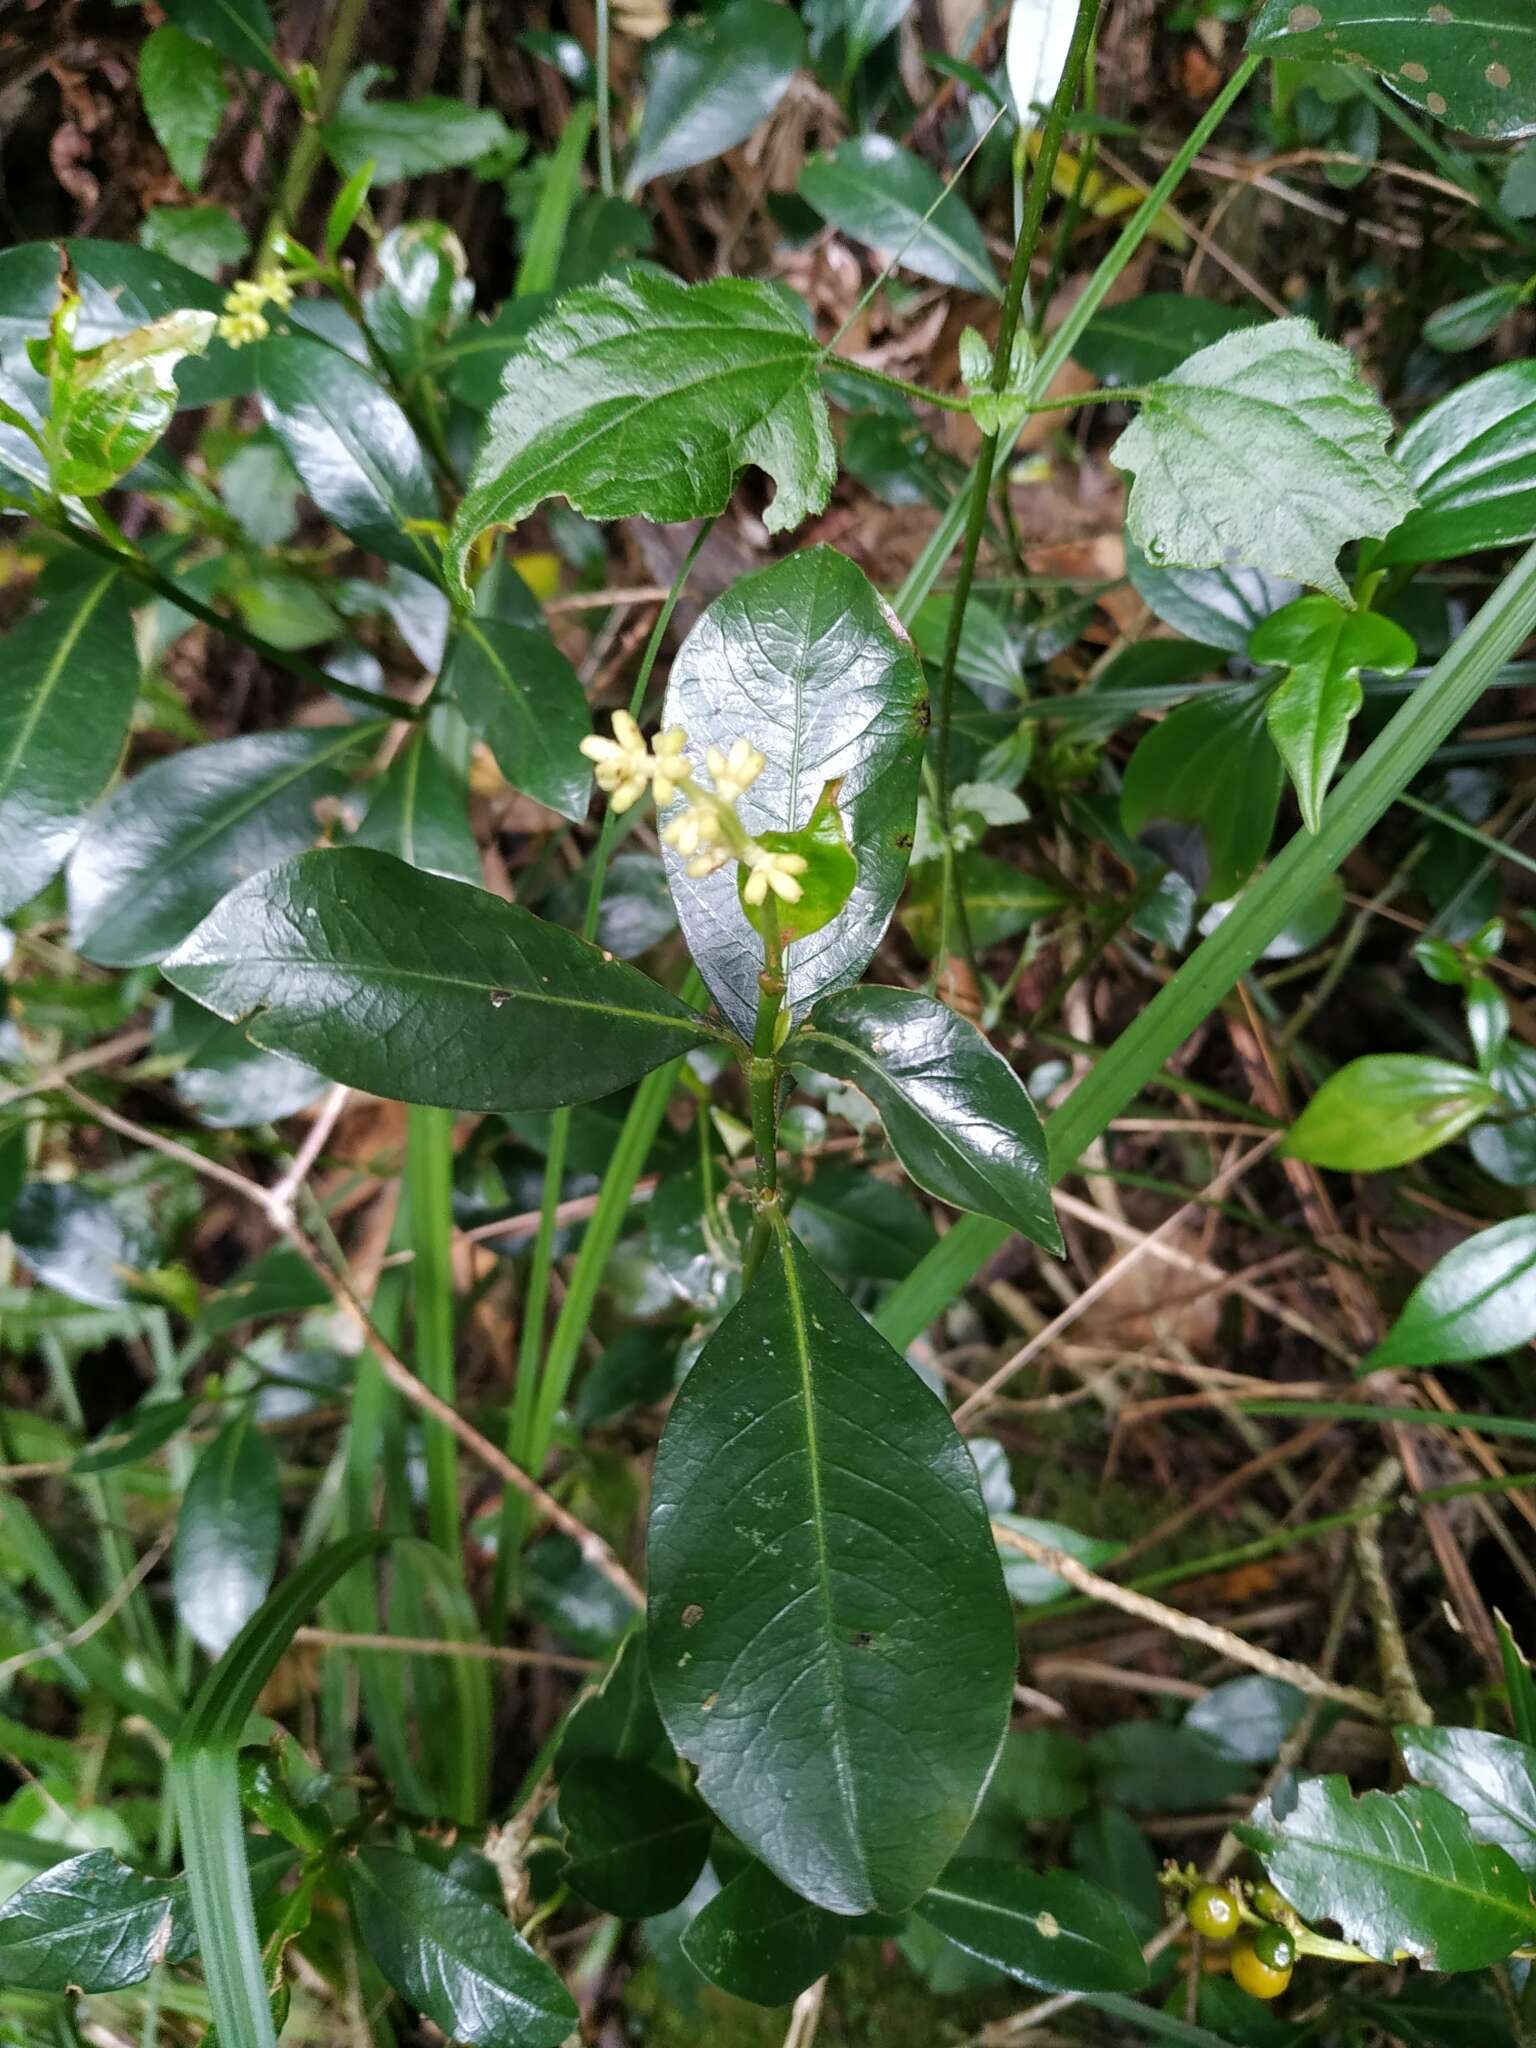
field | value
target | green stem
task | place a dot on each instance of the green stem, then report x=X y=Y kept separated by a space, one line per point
x=1386 y=768
x=429 y=1192
x=144 y=571
x=304 y=160
x=604 y=116
x=763 y=1090
x=946 y=399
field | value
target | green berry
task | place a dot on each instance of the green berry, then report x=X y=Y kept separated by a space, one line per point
x=1213 y=1912
x=1268 y=1902
x=1274 y=1947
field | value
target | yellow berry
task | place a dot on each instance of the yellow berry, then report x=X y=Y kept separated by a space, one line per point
x=1252 y=1974
x=1213 y=1912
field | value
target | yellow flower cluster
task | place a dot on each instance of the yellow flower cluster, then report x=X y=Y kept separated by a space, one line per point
x=708 y=831
x=244 y=317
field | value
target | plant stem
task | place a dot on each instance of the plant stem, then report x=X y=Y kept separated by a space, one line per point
x=1392 y=760
x=304 y=160
x=763 y=1089
x=1002 y=361
x=946 y=399
x=604 y=115
x=429 y=1192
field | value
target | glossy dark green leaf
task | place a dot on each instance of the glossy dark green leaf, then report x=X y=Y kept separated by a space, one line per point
x=1460 y=2012
x=863 y=25
x=1267 y=448
x=139 y=1434
x=82 y=1244
x=1479 y=1300
x=412 y=986
x=1202 y=790
x=1401 y=1873
x=93 y=1924
x=1507 y=1149
x=1472 y=460
x=760 y=1941
x=71 y=676
x=227 y=1535
x=181 y=82
x=1492 y=1778
x=877 y=192
x=1148 y=337
x=1219 y=607
x=1056 y=1931
x=241 y=29
x=1324 y=646
x=636 y=1841
x=352 y=445
x=419 y=810
x=826 y=880
x=423 y=294
x=1000 y=900
x=806 y=661
x=958 y=1117
x=859 y=1227
x=617 y=1721
x=1468 y=322
x=1386 y=1109
x=1247 y=1718
x=710 y=80
x=1109 y=1847
x=226 y=1082
x=207 y=239
x=644 y=397
x=406 y=138
x=523 y=698
x=454 y=1956
x=636 y=913
x=796 y=1627
x=168 y=844
x=1474 y=68
x=987 y=652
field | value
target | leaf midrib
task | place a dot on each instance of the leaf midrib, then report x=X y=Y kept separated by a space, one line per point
x=53 y=674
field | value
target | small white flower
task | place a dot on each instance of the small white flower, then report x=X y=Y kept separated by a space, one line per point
x=622 y=765
x=692 y=829
x=707 y=861
x=734 y=773
x=669 y=764
x=775 y=871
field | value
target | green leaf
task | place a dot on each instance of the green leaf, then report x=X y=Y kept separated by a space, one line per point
x=1492 y=1778
x=1202 y=790
x=1218 y=607
x=1150 y=337
x=795 y=1624
x=1474 y=68
x=617 y=1722
x=759 y=1941
x=805 y=661
x=167 y=845
x=1267 y=448
x=1478 y=1301
x=118 y=399
x=636 y=1841
x=986 y=654
x=352 y=446
x=1324 y=646
x=227 y=1534
x=1055 y=1931
x=1000 y=900
x=710 y=81
x=226 y=1082
x=826 y=882
x=644 y=397
x=93 y=1925
x=419 y=810
x=181 y=82
x=521 y=696
x=137 y=1435
x=1033 y=1584
x=452 y=1955
x=1248 y=1718
x=82 y=1244
x=406 y=138
x=407 y=985
x=1400 y=1873
x=859 y=1227
x=1471 y=458
x=207 y=239
x=1468 y=322
x=71 y=677
x=241 y=29
x=877 y=192
x=1386 y=1109
x=1517 y=194
x=958 y=1117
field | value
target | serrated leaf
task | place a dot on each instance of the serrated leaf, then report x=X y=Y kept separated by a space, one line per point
x=71 y=677
x=1492 y=1778
x=181 y=82
x=1474 y=68
x=636 y=1841
x=644 y=397
x=167 y=845
x=227 y=1533
x=450 y=1953
x=1479 y=1300
x=412 y=986
x=710 y=81
x=1471 y=458
x=1053 y=1930
x=958 y=1117
x=353 y=447
x=874 y=190
x=1202 y=790
x=796 y=1619
x=760 y=1941
x=805 y=660
x=1324 y=646
x=1399 y=1872
x=1387 y=1108
x=93 y=1924
x=1267 y=448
